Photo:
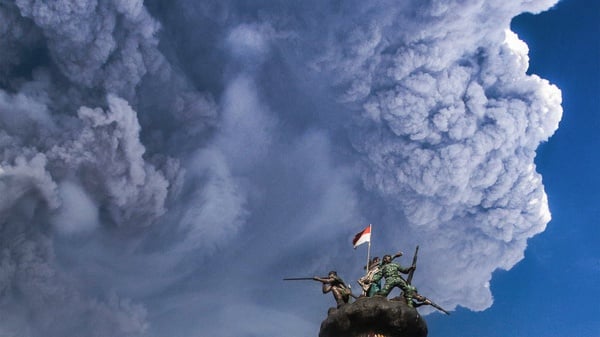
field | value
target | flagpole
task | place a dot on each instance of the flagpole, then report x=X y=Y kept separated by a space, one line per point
x=369 y=250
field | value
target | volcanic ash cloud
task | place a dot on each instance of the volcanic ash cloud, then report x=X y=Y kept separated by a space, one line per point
x=147 y=145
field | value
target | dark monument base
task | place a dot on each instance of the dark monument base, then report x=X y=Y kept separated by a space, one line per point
x=374 y=316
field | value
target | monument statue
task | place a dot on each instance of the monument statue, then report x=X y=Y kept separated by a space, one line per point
x=371 y=282
x=373 y=314
x=334 y=284
x=331 y=283
x=392 y=273
x=367 y=282
x=414 y=299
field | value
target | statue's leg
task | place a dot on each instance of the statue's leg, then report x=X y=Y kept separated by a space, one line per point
x=373 y=290
x=409 y=301
x=377 y=286
x=409 y=292
x=386 y=289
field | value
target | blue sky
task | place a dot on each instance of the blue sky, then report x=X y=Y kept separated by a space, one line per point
x=554 y=291
x=164 y=164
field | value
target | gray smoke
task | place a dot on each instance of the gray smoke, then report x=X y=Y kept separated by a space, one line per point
x=164 y=164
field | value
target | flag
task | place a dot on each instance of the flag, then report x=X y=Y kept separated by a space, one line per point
x=362 y=237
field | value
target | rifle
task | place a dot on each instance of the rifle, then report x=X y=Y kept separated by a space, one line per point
x=297 y=278
x=431 y=303
x=347 y=287
x=414 y=265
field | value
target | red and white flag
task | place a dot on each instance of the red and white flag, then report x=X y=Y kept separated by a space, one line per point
x=362 y=237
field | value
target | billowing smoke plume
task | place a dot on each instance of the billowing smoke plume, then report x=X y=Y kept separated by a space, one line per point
x=164 y=164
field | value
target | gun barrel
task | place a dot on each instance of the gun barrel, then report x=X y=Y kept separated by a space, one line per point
x=297 y=278
x=439 y=308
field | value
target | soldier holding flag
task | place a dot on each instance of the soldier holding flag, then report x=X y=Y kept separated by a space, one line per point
x=366 y=282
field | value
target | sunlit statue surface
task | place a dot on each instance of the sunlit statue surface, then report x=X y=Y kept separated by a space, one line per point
x=331 y=283
x=368 y=284
x=334 y=284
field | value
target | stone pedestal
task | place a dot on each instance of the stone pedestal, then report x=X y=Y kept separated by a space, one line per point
x=374 y=317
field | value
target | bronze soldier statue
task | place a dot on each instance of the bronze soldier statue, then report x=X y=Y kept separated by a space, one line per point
x=391 y=272
x=367 y=283
x=371 y=282
x=414 y=299
x=334 y=284
x=410 y=294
